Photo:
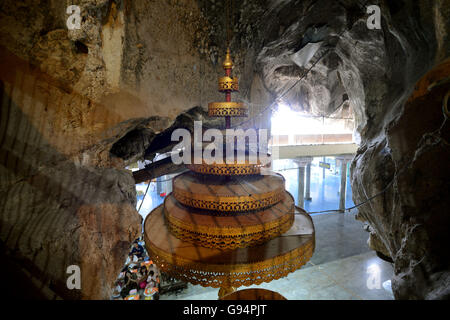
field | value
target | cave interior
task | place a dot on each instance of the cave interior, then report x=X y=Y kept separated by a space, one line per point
x=80 y=103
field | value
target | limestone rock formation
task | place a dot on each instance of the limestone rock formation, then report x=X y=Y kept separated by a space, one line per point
x=67 y=98
x=77 y=106
x=374 y=73
x=59 y=208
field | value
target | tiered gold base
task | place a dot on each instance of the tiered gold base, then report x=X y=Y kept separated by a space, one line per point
x=250 y=294
x=228 y=231
x=236 y=168
x=226 y=225
x=213 y=267
x=228 y=194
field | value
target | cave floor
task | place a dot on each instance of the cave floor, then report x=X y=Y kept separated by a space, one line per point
x=342 y=268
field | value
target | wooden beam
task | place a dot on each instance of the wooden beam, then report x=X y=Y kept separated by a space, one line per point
x=157 y=169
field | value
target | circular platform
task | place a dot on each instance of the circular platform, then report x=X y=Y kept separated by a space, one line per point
x=212 y=267
x=228 y=193
x=253 y=294
x=228 y=231
x=248 y=166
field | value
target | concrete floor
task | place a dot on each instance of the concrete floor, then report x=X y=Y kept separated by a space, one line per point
x=342 y=266
x=340 y=269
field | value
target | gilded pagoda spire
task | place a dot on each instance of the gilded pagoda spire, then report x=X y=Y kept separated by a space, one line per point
x=227 y=85
x=228 y=63
x=221 y=226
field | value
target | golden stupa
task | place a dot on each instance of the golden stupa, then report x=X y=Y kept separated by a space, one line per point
x=225 y=225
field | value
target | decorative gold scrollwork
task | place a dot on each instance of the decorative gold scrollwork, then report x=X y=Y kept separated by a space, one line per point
x=227 y=241
x=229 y=204
x=226 y=169
x=229 y=236
x=216 y=276
x=228 y=84
x=227 y=109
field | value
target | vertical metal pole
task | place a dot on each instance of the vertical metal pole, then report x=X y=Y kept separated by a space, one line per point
x=323 y=160
x=343 y=186
x=159 y=185
x=228 y=99
x=301 y=187
x=227 y=122
x=323 y=126
x=308 y=183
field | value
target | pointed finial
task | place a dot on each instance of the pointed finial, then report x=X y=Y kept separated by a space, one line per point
x=227 y=63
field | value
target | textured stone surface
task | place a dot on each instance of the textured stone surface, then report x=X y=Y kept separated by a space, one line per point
x=78 y=106
x=67 y=97
x=59 y=208
x=378 y=70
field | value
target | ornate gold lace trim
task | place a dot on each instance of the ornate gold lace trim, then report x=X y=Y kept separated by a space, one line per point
x=228 y=84
x=228 y=203
x=216 y=276
x=231 y=109
x=226 y=170
x=229 y=238
x=226 y=231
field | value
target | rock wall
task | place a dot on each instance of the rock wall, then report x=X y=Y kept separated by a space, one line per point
x=420 y=149
x=67 y=96
x=402 y=154
x=77 y=106
x=59 y=207
x=381 y=76
x=409 y=164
